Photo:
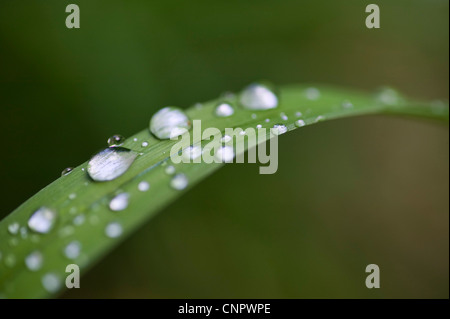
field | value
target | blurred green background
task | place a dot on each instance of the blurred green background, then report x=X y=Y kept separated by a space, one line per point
x=347 y=193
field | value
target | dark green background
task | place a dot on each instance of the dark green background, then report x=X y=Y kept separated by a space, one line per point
x=347 y=193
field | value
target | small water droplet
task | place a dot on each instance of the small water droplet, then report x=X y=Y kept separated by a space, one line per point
x=300 y=123
x=224 y=110
x=13 y=228
x=110 y=163
x=179 y=182
x=298 y=114
x=388 y=96
x=279 y=129
x=347 y=104
x=42 y=220
x=10 y=260
x=258 y=126
x=51 y=282
x=143 y=186
x=170 y=170
x=144 y=144
x=66 y=231
x=267 y=120
x=198 y=106
x=192 y=152
x=34 y=261
x=169 y=122
x=283 y=116
x=319 y=118
x=79 y=220
x=226 y=138
x=254 y=116
x=258 y=97
x=120 y=202
x=135 y=139
x=72 y=250
x=115 y=140
x=67 y=171
x=113 y=230
x=225 y=154
x=242 y=133
x=23 y=232
x=312 y=93
x=72 y=196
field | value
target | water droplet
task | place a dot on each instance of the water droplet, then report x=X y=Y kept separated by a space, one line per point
x=135 y=139
x=258 y=126
x=192 y=152
x=110 y=163
x=198 y=106
x=51 y=282
x=319 y=118
x=42 y=220
x=226 y=138
x=72 y=196
x=224 y=110
x=13 y=228
x=72 y=250
x=10 y=260
x=66 y=231
x=79 y=220
x=113 y=230
x=169 y=122
x=279 y=129
x=115 y=140
x=347 y=104
x=225 y=154
x=298 y=114
x=267 y=120
x=143 y=186
x=23 y=232
x=170 y=170
x=283 y=116
x=388 y=96
x=120 y=202
x=179 y=182
x=312 y=93
x=34 y=261
x=242 y=133
x=144 y=144
x=258 y=97
x=67 y=171
x=254 y=116
x=300 y=123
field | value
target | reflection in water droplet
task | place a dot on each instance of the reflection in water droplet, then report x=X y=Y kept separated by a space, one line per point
x=169 y=122
x=312 y=93
x=72 y=250
x=143 y=186
x=51 y=282
x=225 y=154
x=279 y=129
x=34 y=261
x=224 y=110
x=258 y=97
x=115 y=140
x=179 y=182
x=113 y=230
x=300 y=123
x=42 y=220
x=67 y=171
x=110 y=163
x=13 y=228
x=120 y=202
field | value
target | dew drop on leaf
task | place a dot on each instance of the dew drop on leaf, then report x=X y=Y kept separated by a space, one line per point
x=115 y=140
x=312 y=93
x=258 y=97
x=42 y=220
x=224 y=110
x=66 y=171
x=72 y=249
x=110 y=163
x=113 y=230
x=143 y=186
x=179 y=182
x=120 y=202
x=13 y=228
x=225 y=154
x=34 y=261
x=51 y=282
x=169 y=122
x=300 y=123
x=279 y=129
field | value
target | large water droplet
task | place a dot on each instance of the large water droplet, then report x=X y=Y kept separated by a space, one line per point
x=258 y=97
x=42 y=220
x=110 y=163
x=225 y=154
x=179 y=182
x=113 y=230
x=72 y=250
x=224 y=110
x=13 y=228
x=51 y=282
x=116 y=140
x=120 y=202
x=34 y=261
x=67 y=171
x=169 y=122
x=279 y=129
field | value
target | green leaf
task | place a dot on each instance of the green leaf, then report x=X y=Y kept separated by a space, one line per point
x=76 y=197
